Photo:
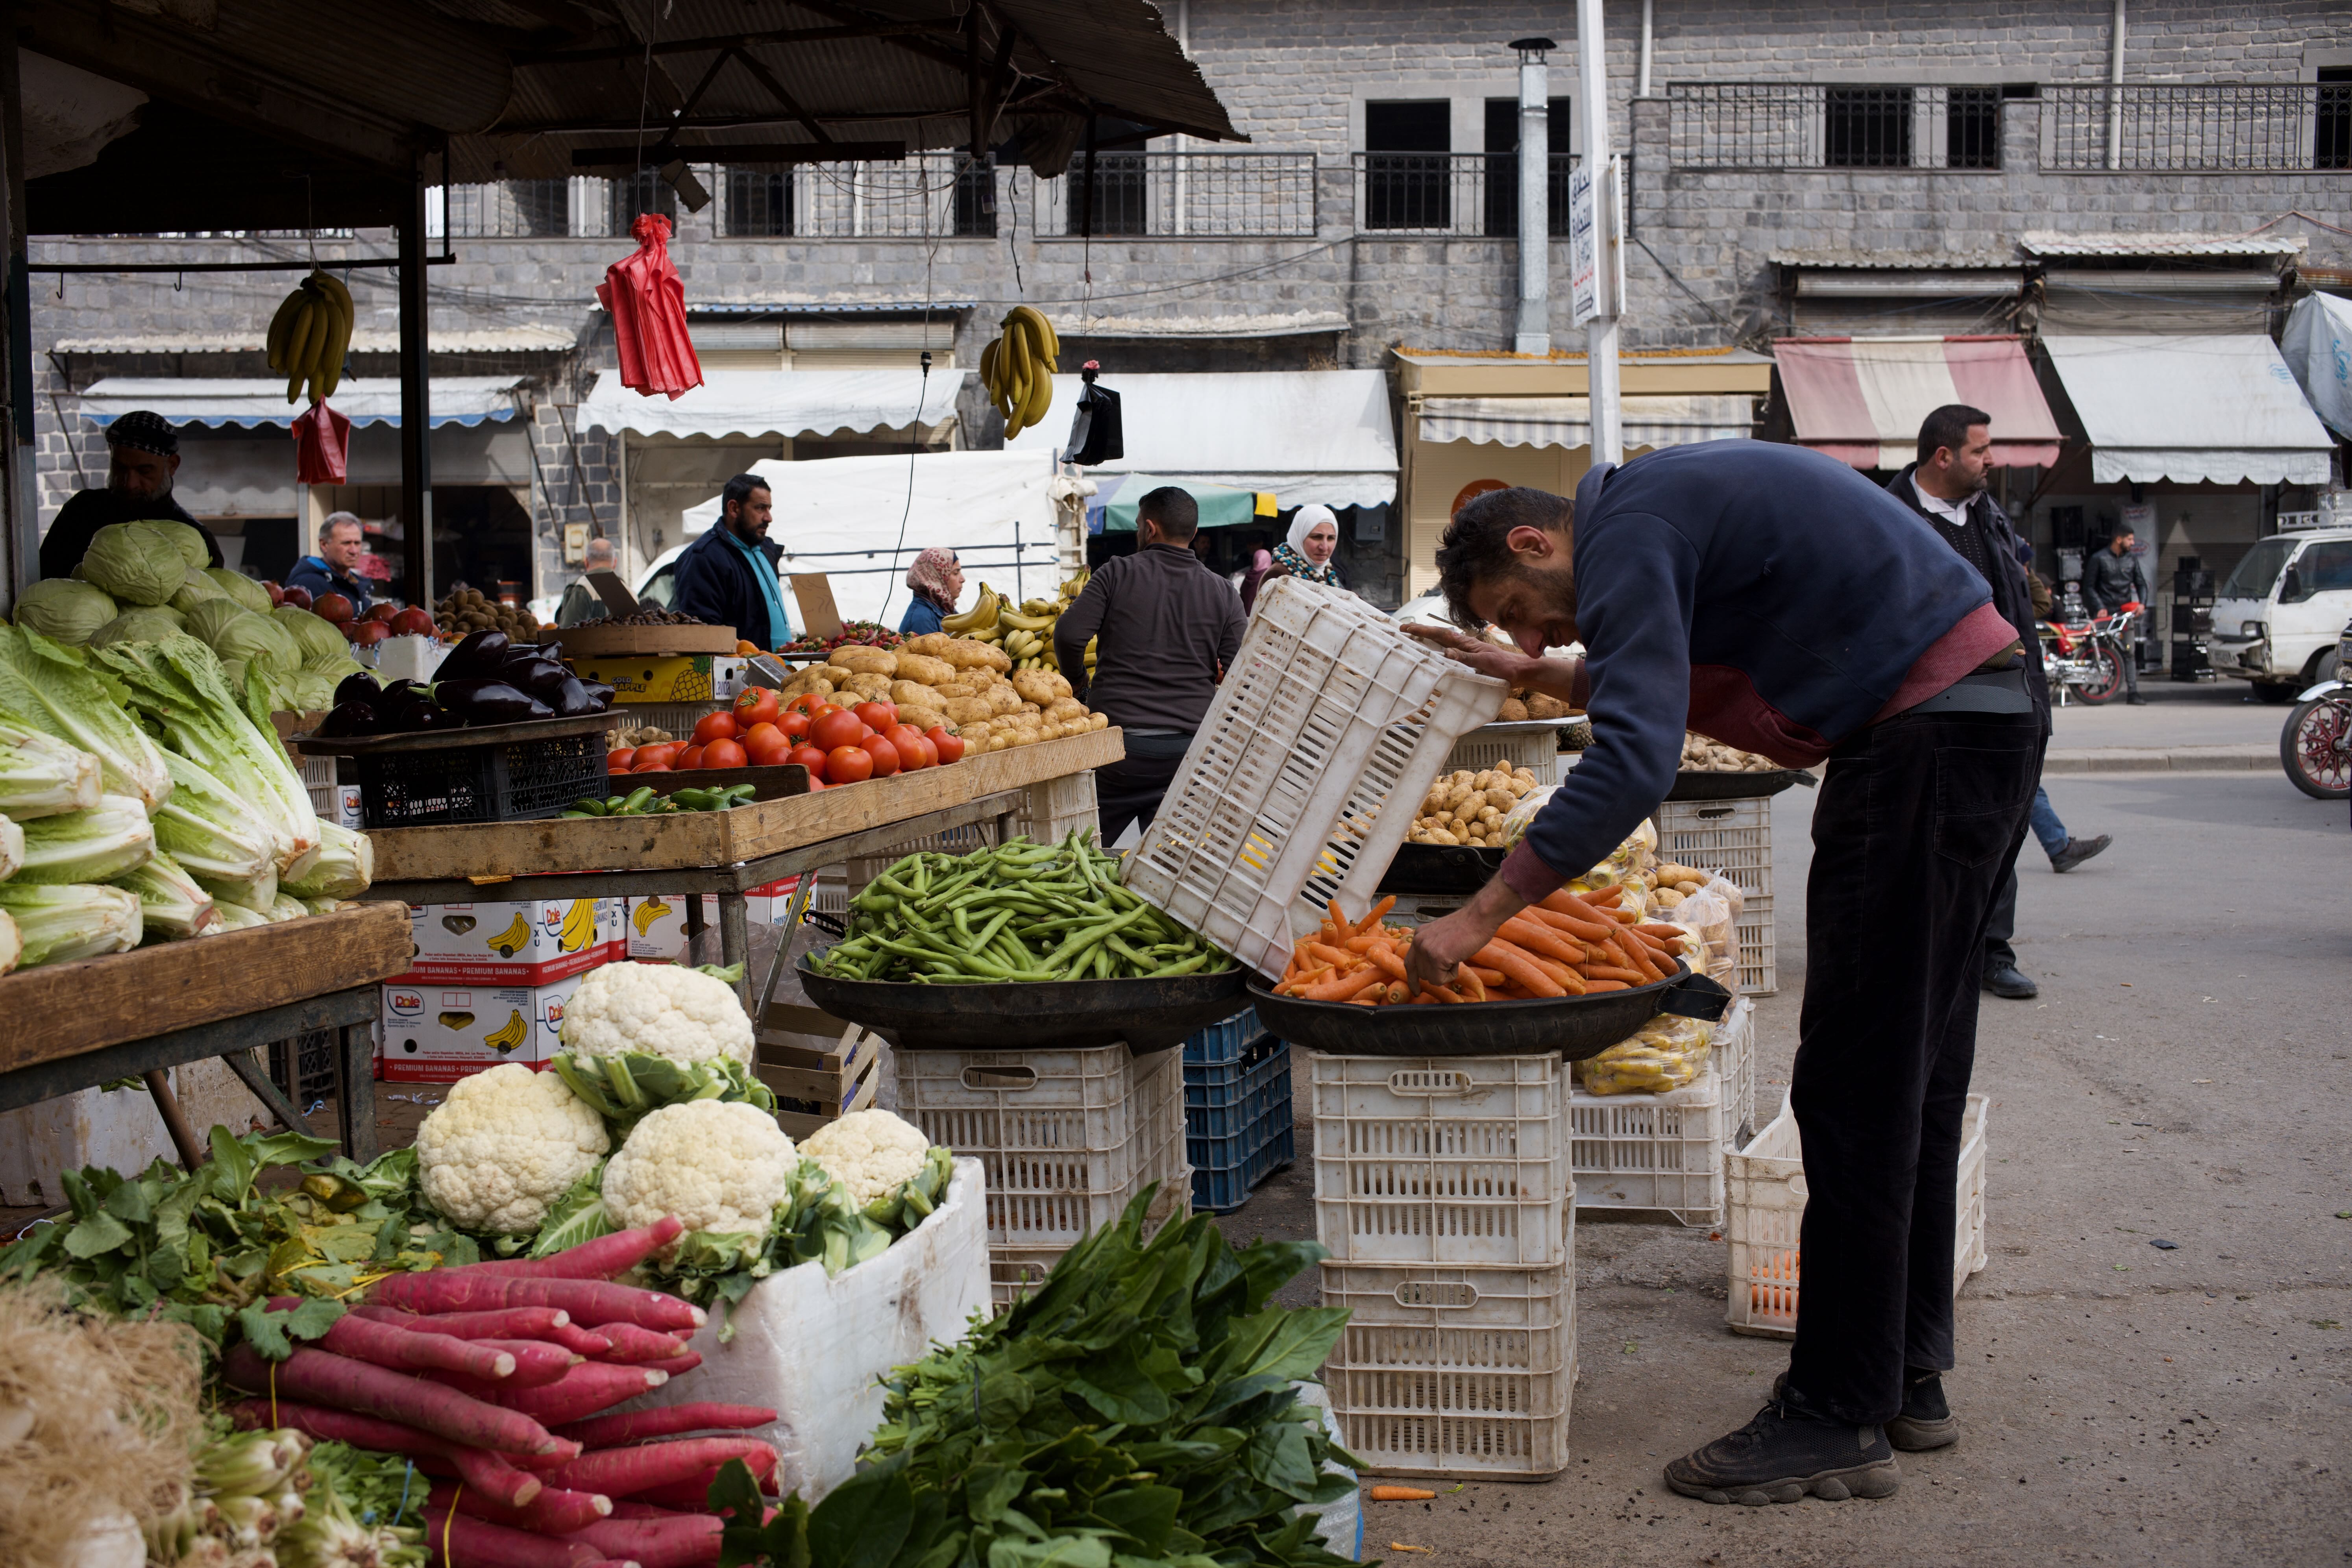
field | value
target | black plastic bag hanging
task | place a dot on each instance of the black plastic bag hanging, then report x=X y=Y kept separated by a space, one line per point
x=1095 y=433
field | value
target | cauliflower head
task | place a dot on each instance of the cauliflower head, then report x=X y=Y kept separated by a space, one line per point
x=869 y=1153
x=717 y=1164
x=505 y=1145
x=656 y=1009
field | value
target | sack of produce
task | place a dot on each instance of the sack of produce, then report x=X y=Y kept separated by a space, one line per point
x=1668 y=1053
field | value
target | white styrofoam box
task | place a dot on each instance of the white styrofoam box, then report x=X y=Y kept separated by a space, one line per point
x=1659 y=1153
x=531 y=943
x=1766 y=1195
x=1465 y=1372
x=1015 y=1270
x=412 y=657
x=1530 y=745
x=119 y=1128
x=1758 y=975
x=814 y=1350
x=1328 y=715
x=1733 y=837
x=437 y=1031
x=1451 y=1160
x=1339 y=1526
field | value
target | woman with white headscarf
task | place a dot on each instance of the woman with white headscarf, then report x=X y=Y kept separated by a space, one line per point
x=1307 y=553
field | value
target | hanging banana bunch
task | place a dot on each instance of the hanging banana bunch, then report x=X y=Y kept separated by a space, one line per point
x=309 y=334
x=1017 y=368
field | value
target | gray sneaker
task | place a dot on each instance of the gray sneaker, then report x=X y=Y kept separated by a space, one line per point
x=1782 y=1457
x=2076 y=851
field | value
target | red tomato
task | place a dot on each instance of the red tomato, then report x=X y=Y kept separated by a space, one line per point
x=664 y=754
x=848 y=765
x=885 y=755
x=816 y=783
x=619 y=761
x=764 y=746
x=794 y=726
x=820 y=710
x=903 y=736
x=880 y=715
x=723 y=755
x=930 y=753
x=689 y=758
x=808 y=757
x=715 y=727
x=951 y=747
x=832 y=731
x=806 y=702
x=651 y=768
x=757 y=705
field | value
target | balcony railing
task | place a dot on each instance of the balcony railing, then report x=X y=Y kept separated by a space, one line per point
x=2216 y=128
x=1749 y=125
x=1451 y=194
x=1193 y=195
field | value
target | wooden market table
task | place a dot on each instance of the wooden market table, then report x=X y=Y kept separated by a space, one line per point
x=725 y=852
x=75 y=1026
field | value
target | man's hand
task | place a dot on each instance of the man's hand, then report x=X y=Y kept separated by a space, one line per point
x=1560 y=678
x=1443 y=945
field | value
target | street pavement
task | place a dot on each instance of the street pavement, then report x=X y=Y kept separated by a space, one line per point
x=2200 y=727
x=2183 y=1078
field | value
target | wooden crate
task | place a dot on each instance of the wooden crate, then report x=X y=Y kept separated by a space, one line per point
x=807 y=1054
x=598 y=639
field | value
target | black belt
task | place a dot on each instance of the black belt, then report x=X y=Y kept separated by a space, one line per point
x=2002 y=692
x=1158 y=748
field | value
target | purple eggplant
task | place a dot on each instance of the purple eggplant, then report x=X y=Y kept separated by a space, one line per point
x=542 y=678
x=357 y=686
x=351 y=719
x=477 y=657
x=600 y=691
x=571 y=700
x=470 y=702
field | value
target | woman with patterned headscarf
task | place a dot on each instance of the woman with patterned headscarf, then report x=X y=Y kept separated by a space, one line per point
x=937 y=580
x=1307 y=553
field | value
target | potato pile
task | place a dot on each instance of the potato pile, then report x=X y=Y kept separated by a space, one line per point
x=1701 y=755
x=1521 y=705
x=466 y=610
x=1670 y=884
x=960 y=683
x=1465 y=807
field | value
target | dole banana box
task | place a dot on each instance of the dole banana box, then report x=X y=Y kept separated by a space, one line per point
x=534 y=942
x=438 y=1031
x=656 y=925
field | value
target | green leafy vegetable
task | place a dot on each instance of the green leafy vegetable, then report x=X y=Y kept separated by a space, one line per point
x=239 y=587
x=61 y=925
x=107 y=841
x=62 y=609
x=171 y=904
x=40 y=775
x=141 y=562
x=48 y=686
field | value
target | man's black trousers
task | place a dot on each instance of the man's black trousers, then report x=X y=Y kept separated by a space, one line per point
x=1917 y=818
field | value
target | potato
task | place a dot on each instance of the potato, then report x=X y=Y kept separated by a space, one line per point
x=928 y=646
x=863 y=660
x=966 y=710
x=1102 y=720
x=1062 y=709
x=924 y=669
x=1540 y=705
x=1500 y=797
x=911 y=693
x=1037 y=685
x=1514 y=712
x=920 y=718
x=968 y=653
x=947 y=688
x=1002 y=700
x=874 y=687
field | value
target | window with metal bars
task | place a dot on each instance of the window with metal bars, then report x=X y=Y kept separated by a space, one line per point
x=759 y=204
x=2331 y=124
x=1972 y=128
x=647 y=191
x=975 y=199
x=1867 y=128
x=1408 y=165
x=541 y=207
x=1502 y=165
x=1114 y=200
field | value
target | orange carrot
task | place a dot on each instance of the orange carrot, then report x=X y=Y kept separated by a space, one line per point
x=1521 y=967
x=1663 y=932
x=1473 y=981
x=1578 y=922
x=1346 y=986
x=1389 y=963
x=1486 y=976
x=1398 y=1494
x=1373 y=917
x=1538 y=937
x=1324 y=953
x=1598 y=972
x=1604 y=986
x=1601 y=898
x=1339 y=923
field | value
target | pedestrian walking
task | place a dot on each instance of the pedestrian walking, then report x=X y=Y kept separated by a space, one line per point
x=2113 y=578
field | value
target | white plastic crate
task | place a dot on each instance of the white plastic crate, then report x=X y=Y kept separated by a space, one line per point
x=1759 y=976
x=1451 y=1160
x=1532 y=746
x=1013 y=1271
x=1465 y=1372
x=1734 y=1062
x=1660 y=1154
x=1766 y=1192
x=1051 y=808
x=1329 y=714
x=1733 y=837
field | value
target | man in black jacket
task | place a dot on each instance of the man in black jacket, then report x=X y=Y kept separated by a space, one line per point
x=1168 y=629
x=728 y=577
x=143 y=460
x=2112 y=578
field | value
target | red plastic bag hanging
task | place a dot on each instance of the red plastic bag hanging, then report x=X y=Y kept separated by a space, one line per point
x=322 y=445
x=648 y=303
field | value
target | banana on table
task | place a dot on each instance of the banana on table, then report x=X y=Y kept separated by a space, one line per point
x=1017 y=368
x=309 y=334
x=1024 y=631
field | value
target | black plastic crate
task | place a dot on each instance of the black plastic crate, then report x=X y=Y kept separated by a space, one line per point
x=304 y=1067
x=507 y=781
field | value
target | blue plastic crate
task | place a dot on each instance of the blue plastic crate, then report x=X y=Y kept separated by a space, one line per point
x=1217 y=1095
x=1222 y=1043
x=1265 y=1149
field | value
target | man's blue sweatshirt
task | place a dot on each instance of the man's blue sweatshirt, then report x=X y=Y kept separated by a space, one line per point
x=1761 y=594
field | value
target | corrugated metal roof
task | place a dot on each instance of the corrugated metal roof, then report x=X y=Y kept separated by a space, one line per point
x=1295 y=323
x=525 y=339
x=1893 y=260
x=2043 y=243
x=827 y=307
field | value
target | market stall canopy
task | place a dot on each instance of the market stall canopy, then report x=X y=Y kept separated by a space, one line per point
x=860 y=521
x=1652 y=421
x=1307 y=435
x=2318 y=349
x=787 y=403
x=236 y=400
x=1861 y=400
x=2221 y=409
x=1113 y=507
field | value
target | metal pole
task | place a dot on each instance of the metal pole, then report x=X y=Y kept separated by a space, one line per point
x=1534 y=336
x=176 y=1120
x=415 y=403
x=1600 y=333
x=1644 y=89
x=20 y=549
x=2116 y=97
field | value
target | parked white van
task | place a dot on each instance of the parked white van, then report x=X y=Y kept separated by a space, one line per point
x=2277 y=617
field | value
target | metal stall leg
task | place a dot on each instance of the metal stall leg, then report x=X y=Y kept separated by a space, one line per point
x=355 y=1090
x=249 y=1071
x=176 y=1120
x=735 y=944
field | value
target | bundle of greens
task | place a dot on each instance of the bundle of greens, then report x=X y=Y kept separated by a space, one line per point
x=48 y=686
x=1137 y=1410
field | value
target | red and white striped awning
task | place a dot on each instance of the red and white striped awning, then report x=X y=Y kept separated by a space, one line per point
x=1862 y=400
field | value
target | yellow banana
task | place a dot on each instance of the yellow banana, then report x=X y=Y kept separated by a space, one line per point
x=281 y=326
x=508 y=1038
x=1038 y=351
x=1049 y=343
x=307 y=323
x=329 y=367
x=1026 y=623
x=652 y=909
x=514 y=939
x=333 y=287
x=1041 y=397
x=988 y=357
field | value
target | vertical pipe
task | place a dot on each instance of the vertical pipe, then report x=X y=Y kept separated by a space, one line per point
x=176 y=1120
x=2116 y=97
x=1534 y=336
x=1184 y=190
x=415 y=401
x=1643 y=91
x=20 y=549
x=1600 y=333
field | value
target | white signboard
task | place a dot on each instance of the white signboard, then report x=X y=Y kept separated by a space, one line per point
x=1583 y=246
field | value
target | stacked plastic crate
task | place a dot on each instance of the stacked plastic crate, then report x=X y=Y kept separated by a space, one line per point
x=1442 y=1195
x=1066 y=1137
x=1734 y=836
x=1237 y=1110
x=1660 y=1156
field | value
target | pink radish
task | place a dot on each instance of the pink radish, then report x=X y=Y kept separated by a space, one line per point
x=405 y=1348
x=681 y=1541
x=478 y=1543
x=537 y=1363
x=506 y=1323
x=322 y=1377
x=487 y=1473
x=624 y=1472
x=586 y=1390
x=632 y=1344
x=590 y=1303
x=693 y=1494
x=550 y=1512
x=636 y=1426
x=606 y=1257
x=677 y=1366
x=579 y=1341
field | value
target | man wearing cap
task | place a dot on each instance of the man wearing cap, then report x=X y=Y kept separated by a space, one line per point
x=142 y=456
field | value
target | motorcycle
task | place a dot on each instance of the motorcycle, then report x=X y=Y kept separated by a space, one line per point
x=2085 y=657
x=2316 y=747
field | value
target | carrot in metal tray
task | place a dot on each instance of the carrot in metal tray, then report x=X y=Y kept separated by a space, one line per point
x=1521 y=967
x=1385 y=956
x=1538 y=937
x=1324 y=952
x=1577 y=918
x=1596 y=972
x=1371 y=921
x=1346 y=986
x=1597 y=985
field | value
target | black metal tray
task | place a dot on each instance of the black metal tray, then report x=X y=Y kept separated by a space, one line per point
x=1422 y=870
x=1056 y=1015
x=448 y=739
x=1694 y=785
x=1573 y=1026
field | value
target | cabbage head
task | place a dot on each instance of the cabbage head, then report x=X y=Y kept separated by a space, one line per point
x=194 y=589
x=241 y=587
x=262 y=642
x=311 y=633
x=312 y=691
x=152 y=622
x=68 y=611
x=140 y=562
x=334 y=666
x=190 y=542
x=207 y=617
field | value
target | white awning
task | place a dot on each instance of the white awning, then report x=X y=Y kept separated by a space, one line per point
x=1650 y=419
x=2224 y=410
x=1307 y=435
x=786 y=403
x=232 y=400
